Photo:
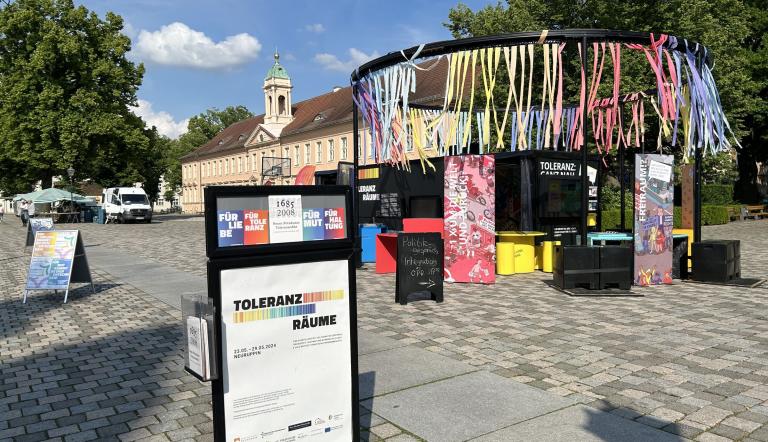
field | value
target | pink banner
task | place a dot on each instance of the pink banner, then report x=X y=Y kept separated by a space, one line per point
x=469 y=219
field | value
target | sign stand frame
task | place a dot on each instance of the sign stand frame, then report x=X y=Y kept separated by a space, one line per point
x=80 y=270
x=277 y=254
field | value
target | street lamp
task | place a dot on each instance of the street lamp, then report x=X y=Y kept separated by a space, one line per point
x=71 y=173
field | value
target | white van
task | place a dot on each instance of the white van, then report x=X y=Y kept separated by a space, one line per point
x=127 y=204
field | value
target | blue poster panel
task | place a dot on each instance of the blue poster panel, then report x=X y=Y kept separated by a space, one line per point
x=230 y=227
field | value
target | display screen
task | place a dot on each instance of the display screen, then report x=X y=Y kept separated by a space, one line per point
x=425 y=207
x=560 y=198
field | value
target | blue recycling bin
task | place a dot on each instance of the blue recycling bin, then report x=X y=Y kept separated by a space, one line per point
x=368 y=234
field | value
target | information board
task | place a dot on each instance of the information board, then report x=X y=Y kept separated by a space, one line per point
x=286 y=352
x=37 y=225
x=654 y=198
x=279 y=219
x=419 y=266
x=58 y=259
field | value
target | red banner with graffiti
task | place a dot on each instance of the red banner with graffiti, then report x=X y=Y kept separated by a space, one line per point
x=470 y=219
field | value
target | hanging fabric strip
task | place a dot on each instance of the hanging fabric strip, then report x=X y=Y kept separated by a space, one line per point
x=558 y=115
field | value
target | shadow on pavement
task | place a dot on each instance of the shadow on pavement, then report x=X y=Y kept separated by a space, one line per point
x=16 y=317
x=121 y=375
x=603 y=426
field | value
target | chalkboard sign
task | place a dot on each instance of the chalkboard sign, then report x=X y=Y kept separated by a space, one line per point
x=37 y=225
x=419 y=267
x=389 y=206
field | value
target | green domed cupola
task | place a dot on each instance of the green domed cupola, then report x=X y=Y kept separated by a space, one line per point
x=277 y=70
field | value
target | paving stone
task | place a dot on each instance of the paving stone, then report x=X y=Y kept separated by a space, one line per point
x=385 y=430
x=684 y=348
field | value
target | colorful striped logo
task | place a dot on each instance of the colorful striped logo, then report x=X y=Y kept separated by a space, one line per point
x=328 y=295
x=368 y=174
x=307 y=307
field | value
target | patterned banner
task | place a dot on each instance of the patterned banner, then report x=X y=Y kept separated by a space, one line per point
x=470 y=219
x=654 y=198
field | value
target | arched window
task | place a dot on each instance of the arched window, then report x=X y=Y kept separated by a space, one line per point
x=281 y=104
x=269 y=111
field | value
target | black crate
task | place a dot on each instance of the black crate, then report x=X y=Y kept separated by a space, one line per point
x=616 y=267
x=576 y=266
x=680 y=258
x=716 y=260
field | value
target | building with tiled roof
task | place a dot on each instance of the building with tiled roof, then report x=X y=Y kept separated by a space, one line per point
x=272 y=148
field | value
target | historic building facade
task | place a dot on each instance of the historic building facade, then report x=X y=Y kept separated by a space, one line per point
x=316 y=132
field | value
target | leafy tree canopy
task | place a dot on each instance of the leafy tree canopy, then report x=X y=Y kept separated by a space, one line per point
x=734 y=30
x=65 y=91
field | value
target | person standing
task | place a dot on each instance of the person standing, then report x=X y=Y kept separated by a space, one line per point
x=31 y=209
x=24 y=212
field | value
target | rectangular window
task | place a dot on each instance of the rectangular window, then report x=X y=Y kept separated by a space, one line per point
x=221 y=167
x=331 y=153
x=344 y=148
x=297 y=155
x=359 y=147
x=319 y=157
x=308 y=154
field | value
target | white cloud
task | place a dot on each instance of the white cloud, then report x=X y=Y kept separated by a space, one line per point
x=356 y=58
x=317 y=28
x=179 y=45
x=162 y=120
x=289 y=56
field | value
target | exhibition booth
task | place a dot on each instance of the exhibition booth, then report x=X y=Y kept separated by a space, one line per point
x=514 y=184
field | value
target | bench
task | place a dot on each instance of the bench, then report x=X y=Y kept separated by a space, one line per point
x=755 y=212
x=735 y=213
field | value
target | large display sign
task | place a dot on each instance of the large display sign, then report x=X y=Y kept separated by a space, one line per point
x=283 y=297
x=286 y=352
x=469 y=219
x=58 y=259
x=654 y=200
x=52 y=258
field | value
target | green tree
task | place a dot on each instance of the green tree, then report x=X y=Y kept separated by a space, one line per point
x=200 y=129
x=734 y=30
x=66 y=89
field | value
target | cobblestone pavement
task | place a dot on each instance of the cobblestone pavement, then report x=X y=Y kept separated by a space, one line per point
x=691 y=359
x=109 y=365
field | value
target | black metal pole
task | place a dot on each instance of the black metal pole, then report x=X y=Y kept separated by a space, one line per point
x=697 y=198
x=584 y=178
x=355 y=206
x=697 y=179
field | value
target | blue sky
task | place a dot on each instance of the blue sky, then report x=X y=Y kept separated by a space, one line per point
x=202 y=54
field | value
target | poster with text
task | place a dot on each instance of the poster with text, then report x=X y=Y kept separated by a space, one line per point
x=469 y=219
x=287 y=352
x=654 y=203
x=230 y=227
x=285 y=217
x=256 y=226
x=333 y=223
x=313 y=224
x=52 y=258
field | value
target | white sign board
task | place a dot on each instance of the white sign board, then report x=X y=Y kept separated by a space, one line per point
x=197 y=344
x=660 y=171
x=285 y=215
x=287 y=352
